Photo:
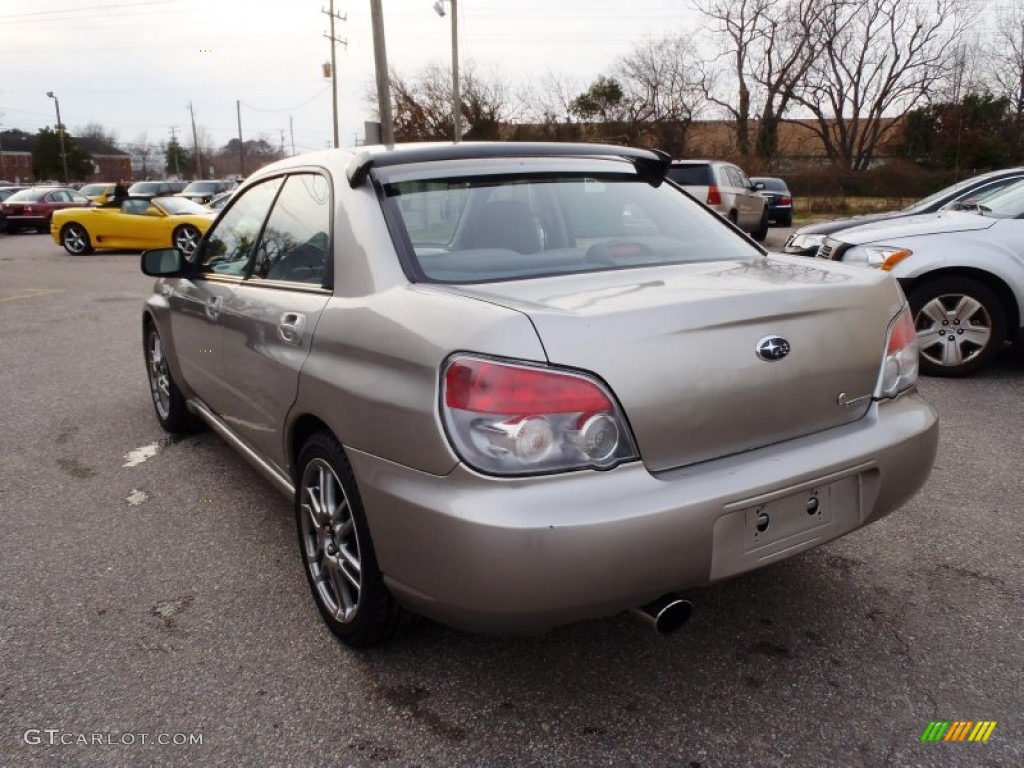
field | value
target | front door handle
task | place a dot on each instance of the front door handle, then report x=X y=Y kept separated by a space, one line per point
x=289 y=329
x=214 y=304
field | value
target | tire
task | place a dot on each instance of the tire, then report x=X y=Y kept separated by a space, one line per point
x=761 y=232
x=336 y=549
x=168 y=402
x=186 y=239
x=961 y=325
x=75 y=239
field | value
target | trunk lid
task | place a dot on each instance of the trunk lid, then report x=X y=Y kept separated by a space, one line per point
x=678 y=347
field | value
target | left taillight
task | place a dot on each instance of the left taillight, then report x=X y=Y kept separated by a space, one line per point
x=509 y=418
x=901 y=362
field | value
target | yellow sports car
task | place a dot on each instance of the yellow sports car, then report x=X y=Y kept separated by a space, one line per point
x=135 y=224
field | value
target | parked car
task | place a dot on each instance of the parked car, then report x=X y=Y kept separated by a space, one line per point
x=725 y=188
x=963 y=273
x=219 y=201
x=136 y=224
x=806 y=240
x=32 y=208
x=5 y=192
x=99 y=193
x=513 y=386
x=780 y=199
x=155 y=188
x=204 y=191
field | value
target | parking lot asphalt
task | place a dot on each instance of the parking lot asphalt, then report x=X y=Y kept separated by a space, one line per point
x=151 y=592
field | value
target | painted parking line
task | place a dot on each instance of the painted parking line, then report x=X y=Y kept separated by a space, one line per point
x=33 y=293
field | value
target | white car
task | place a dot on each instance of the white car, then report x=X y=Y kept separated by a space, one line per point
x=962 y=271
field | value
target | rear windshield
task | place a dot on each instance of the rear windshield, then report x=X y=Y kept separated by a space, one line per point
x=774 y=185
x=691 y=175
x=484 y=228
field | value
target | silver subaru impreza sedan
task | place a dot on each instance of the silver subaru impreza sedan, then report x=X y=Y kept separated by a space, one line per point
x=514 y=386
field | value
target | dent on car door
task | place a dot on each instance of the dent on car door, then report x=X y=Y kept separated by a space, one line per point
x=197 y=303
x=270 y=318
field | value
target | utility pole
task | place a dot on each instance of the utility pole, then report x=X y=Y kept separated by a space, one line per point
x=195 y=143
x=174 y=140
x=291 y=130
x=334 y=66
x=380 y=61
x=241 y=146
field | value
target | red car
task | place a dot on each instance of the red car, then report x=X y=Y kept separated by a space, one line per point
x=32 y=208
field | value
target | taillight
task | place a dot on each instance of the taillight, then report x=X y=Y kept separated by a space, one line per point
x=714 y=196
x=785 y=201
x=901 y=363
x=511 y=419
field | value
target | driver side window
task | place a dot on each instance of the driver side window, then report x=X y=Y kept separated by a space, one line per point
x=229 y=245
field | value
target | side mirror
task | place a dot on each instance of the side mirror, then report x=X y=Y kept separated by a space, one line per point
x=164 y=262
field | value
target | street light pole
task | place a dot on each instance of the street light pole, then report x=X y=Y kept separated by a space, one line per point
x=380 y=60
x=456 y=95
x=60 y=136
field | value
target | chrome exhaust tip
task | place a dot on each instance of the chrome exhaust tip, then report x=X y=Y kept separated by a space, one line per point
x=666 y=614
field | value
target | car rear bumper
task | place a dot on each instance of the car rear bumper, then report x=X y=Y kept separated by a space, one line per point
x=520 y=556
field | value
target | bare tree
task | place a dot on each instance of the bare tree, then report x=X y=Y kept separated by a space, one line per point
x=737 y=21
x=142 y=154
x=423 y=104
x=769 y=46
x=1005 y=55
x=97 y=132
x=875 y=59
x=664 y=89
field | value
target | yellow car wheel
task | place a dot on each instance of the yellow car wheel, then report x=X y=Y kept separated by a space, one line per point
x=75 y=239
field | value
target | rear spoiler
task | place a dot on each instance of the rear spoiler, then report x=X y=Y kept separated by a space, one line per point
x=651 y=164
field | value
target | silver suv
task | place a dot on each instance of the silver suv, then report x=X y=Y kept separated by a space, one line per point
x=725 y=188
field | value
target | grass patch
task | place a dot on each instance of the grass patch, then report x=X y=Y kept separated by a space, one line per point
x=834 y=206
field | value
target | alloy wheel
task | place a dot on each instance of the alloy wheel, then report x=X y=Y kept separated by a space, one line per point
x=329 y=541
x=952 y=329
x=159 y=375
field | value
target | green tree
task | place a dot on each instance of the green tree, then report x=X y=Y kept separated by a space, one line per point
x=179 y=161
x=47 y=162
x=603 y=101
x=977 y=132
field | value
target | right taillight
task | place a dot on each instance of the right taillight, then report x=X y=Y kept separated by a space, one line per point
x=901 y=362
x=509 y=418
x=714 y=196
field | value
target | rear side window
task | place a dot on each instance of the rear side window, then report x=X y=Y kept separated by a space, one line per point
x=691 y=175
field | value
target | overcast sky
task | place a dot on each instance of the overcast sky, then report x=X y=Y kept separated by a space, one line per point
x=134 y=66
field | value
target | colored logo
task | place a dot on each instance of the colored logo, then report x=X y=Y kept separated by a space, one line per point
x=958 y=730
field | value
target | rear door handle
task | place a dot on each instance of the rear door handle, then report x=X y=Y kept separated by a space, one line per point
x=289 y=329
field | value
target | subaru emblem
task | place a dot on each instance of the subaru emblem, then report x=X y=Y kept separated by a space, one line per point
x=772 y=348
